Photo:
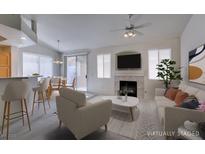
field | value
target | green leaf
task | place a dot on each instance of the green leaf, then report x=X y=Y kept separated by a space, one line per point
x=167 y=71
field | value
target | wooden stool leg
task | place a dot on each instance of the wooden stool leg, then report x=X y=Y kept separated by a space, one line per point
x=39 y=99
x=8 y=118
x=106 y=127
x=34 y=98
x=131 y=112
x=60 y=123
x=27 y=114
x=39 y=105
x=22 y=112
x=48 y=98
x=49 y=103
x=4 y=115
x=43 y=102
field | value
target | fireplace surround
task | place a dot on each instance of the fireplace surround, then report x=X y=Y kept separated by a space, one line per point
x=139 y=79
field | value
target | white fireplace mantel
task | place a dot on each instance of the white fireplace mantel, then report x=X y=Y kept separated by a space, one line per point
x=140 y=75
x=129 y=73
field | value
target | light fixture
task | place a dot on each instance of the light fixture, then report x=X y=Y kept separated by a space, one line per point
x=130 y=33
x=58 y=60
x=23 y=38
x=125 y=35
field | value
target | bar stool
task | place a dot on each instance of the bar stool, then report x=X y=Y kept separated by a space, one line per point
x=42 y=91
x=15 y=92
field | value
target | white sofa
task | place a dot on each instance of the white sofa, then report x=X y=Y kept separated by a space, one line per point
x=172 y=117
x=79 y=116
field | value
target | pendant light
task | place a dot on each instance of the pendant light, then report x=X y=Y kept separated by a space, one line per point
x=58 y=60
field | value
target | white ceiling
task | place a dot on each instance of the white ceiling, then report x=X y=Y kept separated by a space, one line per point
x=93 y=31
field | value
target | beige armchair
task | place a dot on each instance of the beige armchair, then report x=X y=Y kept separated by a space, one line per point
x=79 y=116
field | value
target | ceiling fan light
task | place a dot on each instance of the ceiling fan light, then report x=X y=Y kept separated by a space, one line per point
x=125 y=35
x=130 y=34
x=134 y=34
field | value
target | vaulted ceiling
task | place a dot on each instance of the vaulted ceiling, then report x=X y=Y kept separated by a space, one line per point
x=94 y=31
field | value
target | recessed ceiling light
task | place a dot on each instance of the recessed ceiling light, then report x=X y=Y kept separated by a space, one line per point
x=23 y=38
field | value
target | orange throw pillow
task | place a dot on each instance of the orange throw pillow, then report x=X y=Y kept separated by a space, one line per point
x=180 y=97
x=171 y=93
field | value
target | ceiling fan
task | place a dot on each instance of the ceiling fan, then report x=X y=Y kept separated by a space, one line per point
x=132 y=30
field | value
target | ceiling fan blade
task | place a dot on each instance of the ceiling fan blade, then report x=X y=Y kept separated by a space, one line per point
x=115 y=30
x=142 y=25
x=139 y=33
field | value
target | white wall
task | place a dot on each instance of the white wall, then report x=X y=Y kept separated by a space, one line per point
x=16 y=62
x=17 y=58
x=192 y=37
x=106 y=86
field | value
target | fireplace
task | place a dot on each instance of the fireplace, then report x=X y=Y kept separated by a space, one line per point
x=129 y=86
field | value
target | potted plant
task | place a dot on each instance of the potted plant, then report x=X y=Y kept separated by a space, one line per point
x=167 y=72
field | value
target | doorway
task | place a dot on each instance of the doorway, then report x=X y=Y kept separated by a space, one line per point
x=77 y=70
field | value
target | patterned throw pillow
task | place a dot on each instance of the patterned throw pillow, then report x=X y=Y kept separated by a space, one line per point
x=190 y=102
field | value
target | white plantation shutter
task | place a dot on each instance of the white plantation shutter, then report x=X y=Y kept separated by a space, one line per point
x=153 y=61
x=30 y=64
x=100 y=66
x=34 y=63
x=107 y=66
x=104 y=66
x=46 y=66
x=154 y=57
x=164 y=54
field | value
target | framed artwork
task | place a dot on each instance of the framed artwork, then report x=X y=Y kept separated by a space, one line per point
x=196 y=66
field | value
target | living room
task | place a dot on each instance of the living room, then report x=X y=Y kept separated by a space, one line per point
x=102 y=76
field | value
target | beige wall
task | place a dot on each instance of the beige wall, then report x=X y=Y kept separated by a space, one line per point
x=106 y=86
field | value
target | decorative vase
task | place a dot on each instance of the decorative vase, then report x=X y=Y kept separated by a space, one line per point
x=125 y=97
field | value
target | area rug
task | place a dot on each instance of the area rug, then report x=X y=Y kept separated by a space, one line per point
x=45 y=126
x=146 y=121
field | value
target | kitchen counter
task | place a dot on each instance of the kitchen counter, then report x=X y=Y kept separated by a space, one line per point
x=22 y=77
x=32 y=82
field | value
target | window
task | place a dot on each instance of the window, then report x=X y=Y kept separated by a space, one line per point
x=33 y=63
x=104 y=66
x=46 y=66
x=30 y=64
x=154 y=57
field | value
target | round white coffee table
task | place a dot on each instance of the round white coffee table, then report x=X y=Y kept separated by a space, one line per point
x=130 y=103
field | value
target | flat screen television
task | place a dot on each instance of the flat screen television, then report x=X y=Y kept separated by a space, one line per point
x=132 y=61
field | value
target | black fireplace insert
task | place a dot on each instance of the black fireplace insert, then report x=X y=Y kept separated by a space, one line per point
x=129 y=87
